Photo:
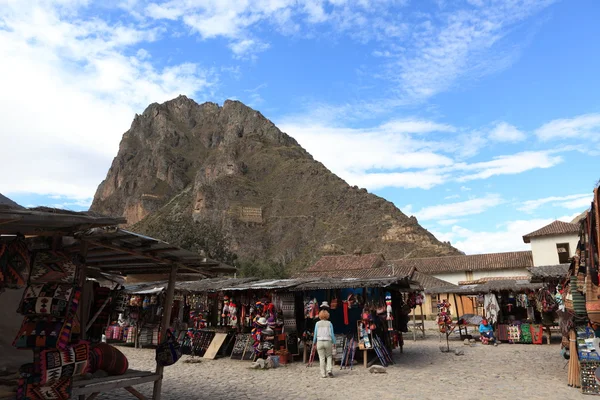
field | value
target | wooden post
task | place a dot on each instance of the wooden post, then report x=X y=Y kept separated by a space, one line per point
x=156 y=395
x=422 y=320
x=365 y=357
x=414 y=324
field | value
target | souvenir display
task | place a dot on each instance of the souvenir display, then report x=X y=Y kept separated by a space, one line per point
x=71 y=361
x=49 y=299
x=14 y=264
x=108 y=359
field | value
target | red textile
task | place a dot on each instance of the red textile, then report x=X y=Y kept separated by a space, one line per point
x=346 y=321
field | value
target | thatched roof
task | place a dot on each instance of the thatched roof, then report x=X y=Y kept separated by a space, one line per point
x=545 y=272
x=490 y=286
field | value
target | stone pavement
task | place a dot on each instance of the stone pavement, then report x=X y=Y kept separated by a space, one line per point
x=421 y=372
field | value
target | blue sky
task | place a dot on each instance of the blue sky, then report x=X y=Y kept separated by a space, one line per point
x=479 y=117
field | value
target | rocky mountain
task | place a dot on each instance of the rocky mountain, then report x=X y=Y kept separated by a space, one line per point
x=205 y=176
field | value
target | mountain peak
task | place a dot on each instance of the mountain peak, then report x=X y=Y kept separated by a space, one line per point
x=184 y=168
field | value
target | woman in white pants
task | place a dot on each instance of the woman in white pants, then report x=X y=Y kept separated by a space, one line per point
x=324 y=339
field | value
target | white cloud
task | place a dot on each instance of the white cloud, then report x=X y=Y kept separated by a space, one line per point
x=244 y=47
x=445 y=222
x=505 y=237
x=571 y=202
x=459 y=47
x=460 y=209
x=585 y=126
x=453 y=196
x=70 y=88
x=508 y=165
x=504 y=132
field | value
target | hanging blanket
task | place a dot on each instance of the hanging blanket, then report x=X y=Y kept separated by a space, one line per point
x=14 y=264
x=491 y=307
x=526 y=336
x=537 y=334
x=502 y=332
x=514 y=334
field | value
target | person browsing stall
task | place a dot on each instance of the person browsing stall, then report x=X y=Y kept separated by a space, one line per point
x=487 y=331
x=324 y=338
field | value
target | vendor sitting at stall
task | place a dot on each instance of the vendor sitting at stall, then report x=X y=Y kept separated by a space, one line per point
x=487 y=333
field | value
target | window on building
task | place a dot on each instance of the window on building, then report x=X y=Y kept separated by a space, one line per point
x=434 y=301
x=563 y=252
x=469 y=275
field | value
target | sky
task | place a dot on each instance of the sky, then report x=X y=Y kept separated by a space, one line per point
x=479 y=117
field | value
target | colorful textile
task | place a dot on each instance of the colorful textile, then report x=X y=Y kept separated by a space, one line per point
x=52 y=267
x=31 y=389
x=49 y=299
x=502 y=332
x=14 y=264
x=490 y=304
x=537 y=334
x=526 y=336
x=47 y=332
x=514 y=334
x=108 y=359
x=72 y=361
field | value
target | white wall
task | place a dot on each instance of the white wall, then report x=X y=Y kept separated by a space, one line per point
x=455 y=277
x=544 y=248
x=501 y=273
x=452 y=277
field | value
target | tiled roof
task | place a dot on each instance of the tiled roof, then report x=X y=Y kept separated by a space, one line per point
x=357 y=266
x=346 y=262
x=555 y=228
x=481 y=281
x=379 y=272
x=475 y=262
x=430 y=282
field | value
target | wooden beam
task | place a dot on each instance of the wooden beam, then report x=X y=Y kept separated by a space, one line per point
x=168 y=305
x=135 y=393
x=103 y=385
x=129 y=251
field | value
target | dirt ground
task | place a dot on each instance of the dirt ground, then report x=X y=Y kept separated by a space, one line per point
x=421 y=372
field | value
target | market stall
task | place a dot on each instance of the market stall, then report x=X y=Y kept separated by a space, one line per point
x=581 y=289
x=62 y=250
x=267 y=318
x=370 y=314
x=519 y=310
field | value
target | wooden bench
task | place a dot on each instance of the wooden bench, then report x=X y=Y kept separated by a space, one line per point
x=548 y=330
x=92 y=388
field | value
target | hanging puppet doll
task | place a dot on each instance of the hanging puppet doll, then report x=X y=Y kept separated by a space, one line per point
x=225 y=312
x=388 y=310
x=233 y=319
x=444 y=318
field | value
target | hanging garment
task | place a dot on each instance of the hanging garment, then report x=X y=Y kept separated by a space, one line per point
x=491 y=307
x=346 y=321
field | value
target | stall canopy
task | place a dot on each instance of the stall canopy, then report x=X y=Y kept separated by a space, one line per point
x=120 y=252
x=293 y=284
x=44 y=221
x=516 y=284
x=547 y=272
